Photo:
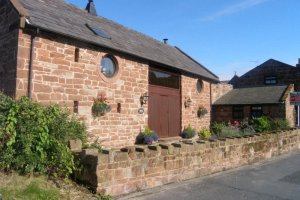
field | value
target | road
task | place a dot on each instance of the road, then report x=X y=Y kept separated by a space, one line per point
x=276 y=179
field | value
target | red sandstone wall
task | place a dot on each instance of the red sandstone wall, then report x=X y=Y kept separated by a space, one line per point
x=219 y=90
x=9 y=23
x=189 y=114
x=132 y=169
x=57 y=78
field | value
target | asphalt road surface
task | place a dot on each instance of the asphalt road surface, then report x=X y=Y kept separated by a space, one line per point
x=276 y=179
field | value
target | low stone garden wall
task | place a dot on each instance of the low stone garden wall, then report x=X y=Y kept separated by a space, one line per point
x=121 y=171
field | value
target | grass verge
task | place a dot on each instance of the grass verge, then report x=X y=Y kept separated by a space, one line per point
x=16 y=187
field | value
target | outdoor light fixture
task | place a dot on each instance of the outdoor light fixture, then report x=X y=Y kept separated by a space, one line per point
x=144 y=99
x=187 y=102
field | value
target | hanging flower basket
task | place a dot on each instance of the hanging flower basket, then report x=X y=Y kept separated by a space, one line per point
x=101 y=106
x=201 y=111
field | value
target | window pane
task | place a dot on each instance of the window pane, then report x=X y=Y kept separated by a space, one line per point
x=238 y=112
x=108 y=67
x=163 y=79
x=270 y=80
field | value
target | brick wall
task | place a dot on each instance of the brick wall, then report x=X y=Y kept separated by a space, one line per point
x=219 y=90
x=57 y=78
x=285 y=76
x=9 y=23
x=285 y=111
x=137 y=168
x=189 y=114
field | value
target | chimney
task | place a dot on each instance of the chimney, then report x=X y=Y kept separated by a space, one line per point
x=91 y=8
x=165 y=40
x=298 y=65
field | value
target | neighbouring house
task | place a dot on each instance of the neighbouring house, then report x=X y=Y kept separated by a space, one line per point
x=260 y=92
x=245 y=103
x=55 y=52
x=271 y=72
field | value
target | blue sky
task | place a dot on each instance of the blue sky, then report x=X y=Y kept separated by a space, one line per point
x=226 y=36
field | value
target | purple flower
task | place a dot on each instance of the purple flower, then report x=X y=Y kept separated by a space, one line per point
x=155 y=137
x=148 y=140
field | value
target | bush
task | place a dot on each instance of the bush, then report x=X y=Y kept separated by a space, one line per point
x=188 y=132
x=33 y=138
x=262 y=124
x=204 y=134
x=229 y=131
x=280 y=124
x=217 y=127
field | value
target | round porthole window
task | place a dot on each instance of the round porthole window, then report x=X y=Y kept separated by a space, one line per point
x=108 y=67
x=199 y=86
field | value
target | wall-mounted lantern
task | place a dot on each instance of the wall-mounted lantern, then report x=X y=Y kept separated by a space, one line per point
x=187 y=102
x=144 y=99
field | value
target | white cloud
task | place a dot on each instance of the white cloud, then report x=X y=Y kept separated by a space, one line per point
x=233 y=9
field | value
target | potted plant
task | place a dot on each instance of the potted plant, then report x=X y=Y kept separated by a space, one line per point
x=101 y=106
x=201 y=111
x=148 y=136
x=188 y=132
x=204 y=134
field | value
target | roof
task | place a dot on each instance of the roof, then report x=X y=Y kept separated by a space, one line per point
x=66 y=19
x=254 y=95
x=234 y=79
x=269 y=63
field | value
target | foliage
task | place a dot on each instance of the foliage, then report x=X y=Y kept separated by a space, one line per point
x=101 y=106
x=188 y=132
x=262 y=124
x=204 y=134
x=105 y=197
x=33 y=138
x=201 y=111
x=148 y=136
x=217 y=127
x=279 y=124
x=229 y=131
x=94 y=145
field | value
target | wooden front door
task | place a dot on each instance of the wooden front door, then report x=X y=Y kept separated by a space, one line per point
x=164 y=103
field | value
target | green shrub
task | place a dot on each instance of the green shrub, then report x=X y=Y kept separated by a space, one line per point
x=229 y=131
x=217 y=127
x=33 y=138
x=204 y=134
x=280 y=124
x=262 y=124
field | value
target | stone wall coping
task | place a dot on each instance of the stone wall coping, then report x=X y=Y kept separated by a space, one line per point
x=179 y=144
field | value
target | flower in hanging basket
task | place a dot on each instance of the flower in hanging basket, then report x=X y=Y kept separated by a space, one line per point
x=188 y=132
x=101 y=106
x=201 y=111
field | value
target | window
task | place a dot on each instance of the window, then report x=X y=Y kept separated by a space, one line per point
x=108 y=66
x=270 y=80
x=76 y=56
x=237 y=112
x=98 y=32
x=256 y=111
x=199 y=86
x=164 y=79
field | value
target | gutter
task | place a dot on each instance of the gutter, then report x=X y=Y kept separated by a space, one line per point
x=30 y=70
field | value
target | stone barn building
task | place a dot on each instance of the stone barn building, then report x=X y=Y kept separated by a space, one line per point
x=55 y=52
x=263 y=90
x=246 y=103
